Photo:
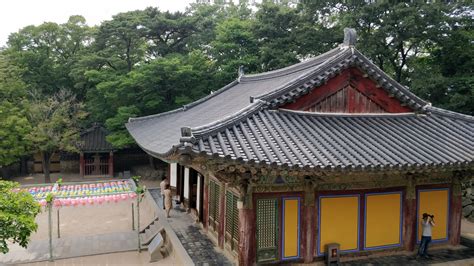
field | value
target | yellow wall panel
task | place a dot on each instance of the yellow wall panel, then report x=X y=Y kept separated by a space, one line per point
x=434 y=202
x=383 y=220
x=290 y=228
x=339 y=222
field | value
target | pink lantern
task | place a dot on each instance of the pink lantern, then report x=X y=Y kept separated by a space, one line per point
x=124 y=196
x=116 y=198
x=100 y=200
x=57 y=203
x=132 y=195
x=107 y=198
x=91 y=201
x=83 y=201
x=74 y=202
x=42 y=203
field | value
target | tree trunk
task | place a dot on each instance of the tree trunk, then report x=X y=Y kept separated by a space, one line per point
x=46 y=164
x=24 y=165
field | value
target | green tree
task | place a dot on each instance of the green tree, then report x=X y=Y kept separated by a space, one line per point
x=395 y=34
x=14 y=125
x=275 y=29
x=159 y=86
x=55 y=124
x=18 y=210
x=235 y=45
x=48 y=52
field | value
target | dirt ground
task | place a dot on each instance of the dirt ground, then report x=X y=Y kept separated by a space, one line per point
x=90 y=219
x=93 y=219
x=123 y=258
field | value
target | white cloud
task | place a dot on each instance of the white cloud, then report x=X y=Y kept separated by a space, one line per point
x=16 y=14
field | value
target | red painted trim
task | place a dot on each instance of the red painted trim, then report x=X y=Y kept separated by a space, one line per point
x=247 y=237
x=320 y=93
x=378 y=95
x=355 y=78
x=308 y=238
x=221 y=230
x=205 y=207
x=454 y=231
x=409 y=223
x=362 y=221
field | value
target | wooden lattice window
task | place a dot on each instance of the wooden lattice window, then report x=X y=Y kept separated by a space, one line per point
x=214 y=205
x=267 y=230
x=232 y=221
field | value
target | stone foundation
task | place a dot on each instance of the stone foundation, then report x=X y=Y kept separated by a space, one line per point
x=148 y=173
x=468 y=200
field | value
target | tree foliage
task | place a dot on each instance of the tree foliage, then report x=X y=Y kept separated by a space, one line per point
x=14 y=125
x=55 y=124
x=149 y=61
x=18 y=210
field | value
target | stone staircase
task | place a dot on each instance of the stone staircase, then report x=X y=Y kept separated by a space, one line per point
x=162 y=247
x=149 y=232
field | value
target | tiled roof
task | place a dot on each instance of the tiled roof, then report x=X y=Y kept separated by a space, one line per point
x=236 y=122
x=94 y=140
x=157 y=134
x=318 y=140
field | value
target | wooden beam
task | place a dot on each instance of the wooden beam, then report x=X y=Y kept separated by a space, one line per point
x=81 y=164
x=455 y=214
x=409 y=215
x=247 y=236
x=111 y=163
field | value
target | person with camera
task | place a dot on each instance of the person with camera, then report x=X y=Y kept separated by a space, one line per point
x=426 y=224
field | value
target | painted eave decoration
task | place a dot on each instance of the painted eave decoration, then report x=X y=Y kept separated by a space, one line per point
x=337 y=111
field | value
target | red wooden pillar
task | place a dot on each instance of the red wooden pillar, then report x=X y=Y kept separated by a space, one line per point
x=221 y=233
x=205 y=203
x=111 y=163
x=247 y=235
x=455 y=212
x=308 y=225
x=409 y=216
x=81 y=164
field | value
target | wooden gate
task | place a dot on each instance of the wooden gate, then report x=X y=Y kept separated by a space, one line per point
x=97 y=165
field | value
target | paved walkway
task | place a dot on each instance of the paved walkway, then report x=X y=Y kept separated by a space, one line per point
x=197 y=244
x=463 y=256
x=69 y=247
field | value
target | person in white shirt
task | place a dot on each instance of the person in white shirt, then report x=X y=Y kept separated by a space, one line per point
x=162 y=189
x=426 y=224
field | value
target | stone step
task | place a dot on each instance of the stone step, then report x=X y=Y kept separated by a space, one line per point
x=149 y=225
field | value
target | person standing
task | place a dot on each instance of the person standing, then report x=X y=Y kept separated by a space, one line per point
x=167 y=200
x=163 y=184
x=426 y=224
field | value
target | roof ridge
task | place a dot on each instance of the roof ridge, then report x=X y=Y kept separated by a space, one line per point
x=393 y=82
x=321 y=114
x=186 y=106
x=300 y=78
x=449 y=113
x=230 y=119
x=311 y=62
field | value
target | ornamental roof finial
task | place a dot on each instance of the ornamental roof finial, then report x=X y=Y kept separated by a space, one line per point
x=240 y=72
x=350 y=37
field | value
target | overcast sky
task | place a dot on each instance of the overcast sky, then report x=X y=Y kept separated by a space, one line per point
x=16 y=14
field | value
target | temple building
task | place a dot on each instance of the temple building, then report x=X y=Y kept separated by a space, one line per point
x=332 y=150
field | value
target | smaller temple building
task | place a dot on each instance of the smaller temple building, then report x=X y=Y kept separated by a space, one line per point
x=96 y=156
x=280 y=164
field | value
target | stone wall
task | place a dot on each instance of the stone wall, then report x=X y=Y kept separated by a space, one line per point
x=149 y=173
x=468 y=200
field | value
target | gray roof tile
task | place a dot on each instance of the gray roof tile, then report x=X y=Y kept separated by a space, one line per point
x=319 y=140
x=235 y=122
